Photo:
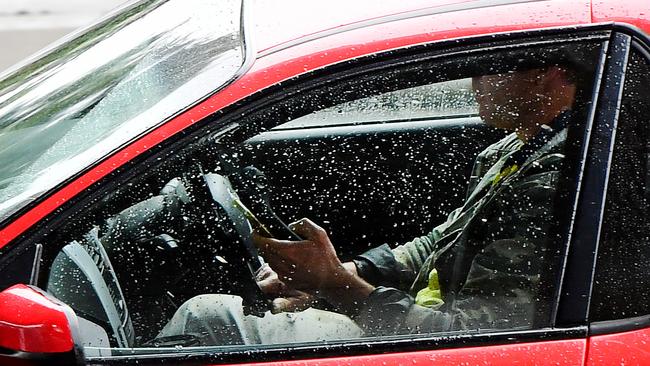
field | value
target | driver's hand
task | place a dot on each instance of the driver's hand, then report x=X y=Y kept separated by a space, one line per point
x=285 y=299
x=269 y=282
x=312 y=265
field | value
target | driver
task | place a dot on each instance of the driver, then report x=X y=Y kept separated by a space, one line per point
x=481 y=268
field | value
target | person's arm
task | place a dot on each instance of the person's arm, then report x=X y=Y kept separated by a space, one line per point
x=502 y=287
x=494 y=296
x=398 y=266
x=284 y=298
x=312 y=265
x=500 y=290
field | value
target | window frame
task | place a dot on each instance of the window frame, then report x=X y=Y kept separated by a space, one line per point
x=640 y=42
x=562 y=330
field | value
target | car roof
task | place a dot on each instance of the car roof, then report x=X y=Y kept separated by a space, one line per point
x=269 y=19
x=634 y=12
x=310 y=20
x=441 y=20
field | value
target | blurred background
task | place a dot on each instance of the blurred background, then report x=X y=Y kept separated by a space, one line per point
x=26 y=26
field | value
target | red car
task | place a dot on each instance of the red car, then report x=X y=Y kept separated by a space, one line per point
x=140 y=155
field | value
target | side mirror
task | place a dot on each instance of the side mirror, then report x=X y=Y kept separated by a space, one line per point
x=36 y=329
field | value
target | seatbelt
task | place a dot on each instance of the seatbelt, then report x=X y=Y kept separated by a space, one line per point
x=519 y=157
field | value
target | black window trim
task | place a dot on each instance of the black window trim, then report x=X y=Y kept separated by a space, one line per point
x=619 y=325
x=639 y=43
x=361 y=347
x=577 y=281
x=404 y=343
x=578 y=269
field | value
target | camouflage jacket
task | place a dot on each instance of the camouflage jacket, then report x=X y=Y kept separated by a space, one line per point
x=489 y=254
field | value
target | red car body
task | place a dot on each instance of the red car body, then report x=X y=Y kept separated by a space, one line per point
x=316 y=43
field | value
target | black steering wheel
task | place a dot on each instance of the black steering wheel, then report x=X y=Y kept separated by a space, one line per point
x=238 y=223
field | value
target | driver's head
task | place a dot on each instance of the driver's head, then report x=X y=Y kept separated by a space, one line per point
x=522 y=101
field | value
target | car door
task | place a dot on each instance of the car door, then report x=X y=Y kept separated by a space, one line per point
x=127 y=254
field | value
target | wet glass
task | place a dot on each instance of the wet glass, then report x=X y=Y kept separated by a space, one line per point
x=621 y=282
x=89 y=96
x=448 y=99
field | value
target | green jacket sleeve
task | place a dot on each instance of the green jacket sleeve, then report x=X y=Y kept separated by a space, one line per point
x=398 y=267
x=508 y=246
x=413 y=254
x=383 y=266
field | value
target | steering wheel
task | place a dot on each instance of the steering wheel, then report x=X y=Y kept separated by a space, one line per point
x=238 y=222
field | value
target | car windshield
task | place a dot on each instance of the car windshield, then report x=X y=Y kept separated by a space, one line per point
x=92 y=94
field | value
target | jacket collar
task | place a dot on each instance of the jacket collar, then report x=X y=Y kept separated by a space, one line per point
x=543 y=137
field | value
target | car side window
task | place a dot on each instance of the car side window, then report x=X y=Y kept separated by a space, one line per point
x=621 y=286
x=336 y=225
